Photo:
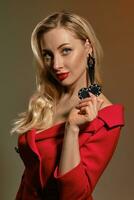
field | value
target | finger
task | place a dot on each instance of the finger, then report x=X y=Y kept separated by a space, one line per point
x=83 y=104
x=91 y=94
x=88 y=112
x=90 y=105
x=85 y=99
x=85 y=110
x=100 y=103
x=94 y=101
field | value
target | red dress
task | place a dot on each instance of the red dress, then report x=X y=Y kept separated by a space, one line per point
x=41 y=154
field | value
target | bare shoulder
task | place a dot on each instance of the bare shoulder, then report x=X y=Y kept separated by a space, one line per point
x=106 y=102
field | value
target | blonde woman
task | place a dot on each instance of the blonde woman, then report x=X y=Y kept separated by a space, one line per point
x=70 y=131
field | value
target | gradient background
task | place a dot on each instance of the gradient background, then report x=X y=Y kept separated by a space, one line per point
x=113 y=22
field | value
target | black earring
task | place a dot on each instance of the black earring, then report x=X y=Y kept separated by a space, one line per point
x=91 y=66
x=93 y=88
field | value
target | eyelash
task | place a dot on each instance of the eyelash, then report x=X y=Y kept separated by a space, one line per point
x=66 y=51
x=46 y=55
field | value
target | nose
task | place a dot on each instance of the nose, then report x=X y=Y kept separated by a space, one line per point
x=57 y=62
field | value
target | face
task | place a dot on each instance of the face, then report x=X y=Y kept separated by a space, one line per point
x=65 y=56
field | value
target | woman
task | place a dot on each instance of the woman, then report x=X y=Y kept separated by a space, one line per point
x=69 y=134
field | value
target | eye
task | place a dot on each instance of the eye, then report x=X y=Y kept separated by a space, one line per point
x=66 y=51
x=47 y=57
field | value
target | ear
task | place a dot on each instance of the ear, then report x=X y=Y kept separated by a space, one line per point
x=89 y=48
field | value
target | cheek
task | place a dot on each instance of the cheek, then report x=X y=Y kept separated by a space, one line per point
x=78 y=59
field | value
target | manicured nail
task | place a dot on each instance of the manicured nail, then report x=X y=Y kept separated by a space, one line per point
x=91 y=94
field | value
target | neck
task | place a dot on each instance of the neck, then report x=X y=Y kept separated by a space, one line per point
x=72 y=90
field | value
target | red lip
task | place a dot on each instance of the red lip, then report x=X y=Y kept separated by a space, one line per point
x=62 y=76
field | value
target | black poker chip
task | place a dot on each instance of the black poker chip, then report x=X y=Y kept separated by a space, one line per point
x=94 y=89
x=83 y=93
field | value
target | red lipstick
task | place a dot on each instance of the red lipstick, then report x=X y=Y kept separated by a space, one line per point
x=62 y=76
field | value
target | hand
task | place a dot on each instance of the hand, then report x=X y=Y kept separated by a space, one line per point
x=85 y=111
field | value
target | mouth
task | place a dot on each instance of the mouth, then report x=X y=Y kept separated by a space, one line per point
x=62 y=76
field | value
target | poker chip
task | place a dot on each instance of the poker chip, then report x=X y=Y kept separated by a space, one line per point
x=94 y=89
x=83 y=93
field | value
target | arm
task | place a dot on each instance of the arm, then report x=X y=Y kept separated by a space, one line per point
x=80 y=180
x=70 y=155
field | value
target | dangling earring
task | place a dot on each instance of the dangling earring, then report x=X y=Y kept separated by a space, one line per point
x=91 y=70
x=93 y=88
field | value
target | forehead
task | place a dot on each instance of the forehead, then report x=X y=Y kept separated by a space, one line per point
x=58 y=36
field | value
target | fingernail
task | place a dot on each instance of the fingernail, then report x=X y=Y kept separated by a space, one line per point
x=90 y=94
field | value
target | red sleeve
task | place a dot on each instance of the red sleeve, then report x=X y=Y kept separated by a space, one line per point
x=96 y=152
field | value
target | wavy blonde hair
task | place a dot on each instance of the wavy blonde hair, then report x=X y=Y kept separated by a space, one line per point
x=43 y=102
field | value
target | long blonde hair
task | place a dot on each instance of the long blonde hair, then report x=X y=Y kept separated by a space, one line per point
x=42 y=103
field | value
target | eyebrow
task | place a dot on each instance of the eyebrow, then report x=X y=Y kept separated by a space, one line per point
x=57 y=48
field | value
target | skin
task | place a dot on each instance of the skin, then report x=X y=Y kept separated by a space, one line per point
x=64 y=52
x=69 y=55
